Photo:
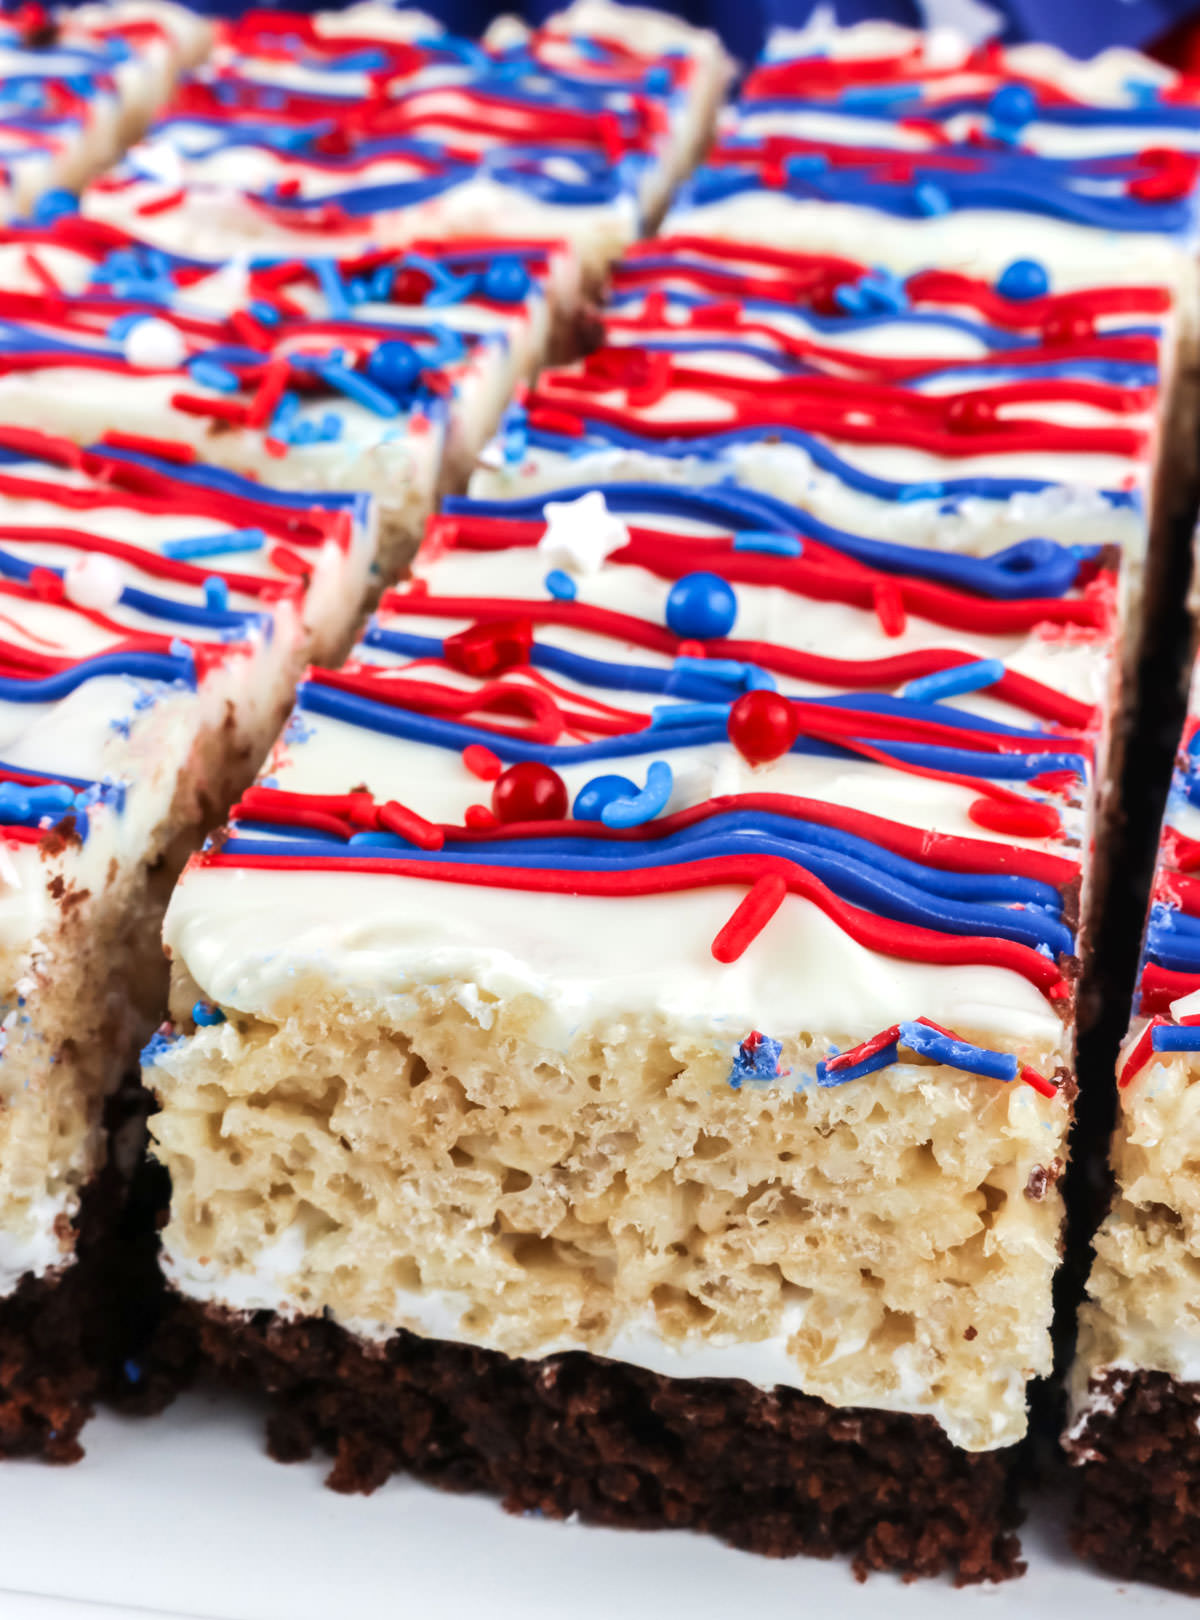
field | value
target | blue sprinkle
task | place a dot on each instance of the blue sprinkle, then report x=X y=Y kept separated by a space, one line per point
x=216 y=594
x=687 y=714
x=956 y=1054
x=947 y=683
x=930 y=199
x=359 y=389
x=286 y=413
x=923 y=492
x=49 y=797
x=265 y=314
x=850 y=297
x=701 y=607
x=1023 y=279
x=214 y=545
x=326 y=272
x=15 y=802
x=380 y=840
x=827 y=1077
x=1142 y=92
x=759 y=680
x=643 y=806
x=132 y=1371
x=730 y=671
x=1175 y=1038
x=560 y=585
x=601 y=791
x=158 y=1044
x=775 y=545
x=205 y=1014
x=757 y=1058
x=210 y=374
x=54 y=204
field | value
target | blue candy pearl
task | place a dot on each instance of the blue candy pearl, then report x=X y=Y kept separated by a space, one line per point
x=701 y=606
x=394 y=366
x=506 y=280
x=1024 y=278
x=1014 y=105
x=600 y=791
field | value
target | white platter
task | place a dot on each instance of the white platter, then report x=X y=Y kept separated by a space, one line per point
x=184 y=1515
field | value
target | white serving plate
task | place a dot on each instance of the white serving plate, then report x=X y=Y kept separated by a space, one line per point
x=185 y=1515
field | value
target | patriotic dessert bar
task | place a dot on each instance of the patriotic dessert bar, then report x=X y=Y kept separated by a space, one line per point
x=526 y=293
x=877 y=84
x=1136 y=1380
x=940 y=410
x=78 y=83
x=156 y=616
x=560 y=135
x=622 y=1048
x=822 y=153
x=335 y=399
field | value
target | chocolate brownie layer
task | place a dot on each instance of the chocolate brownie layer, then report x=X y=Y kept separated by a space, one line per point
x=1138 y=1509
x=778 y=1472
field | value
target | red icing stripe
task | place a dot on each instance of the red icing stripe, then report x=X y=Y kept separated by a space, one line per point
x=881 y=934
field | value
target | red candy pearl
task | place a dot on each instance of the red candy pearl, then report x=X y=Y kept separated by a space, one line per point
x=970 y=414
x=762 y=726
x=530 y=792
x=410 y=285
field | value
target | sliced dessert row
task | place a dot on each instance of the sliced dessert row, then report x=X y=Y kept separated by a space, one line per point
x=164 y=590
x=1135 y=1385
x=326 y=132
x=79 y=83
x=623 y=1047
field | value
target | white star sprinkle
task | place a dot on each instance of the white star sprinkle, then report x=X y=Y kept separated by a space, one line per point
x=580 y=535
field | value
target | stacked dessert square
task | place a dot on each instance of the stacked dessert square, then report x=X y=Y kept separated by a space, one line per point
x=1135 y=1383
x=623 y=1046
x=219 y=444
x=78 y=83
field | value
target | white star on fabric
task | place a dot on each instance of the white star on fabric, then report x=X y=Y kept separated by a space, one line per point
x=582 y=534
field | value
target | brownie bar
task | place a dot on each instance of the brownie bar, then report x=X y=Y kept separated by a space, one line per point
x=1138 y=1512
x=774 y=1472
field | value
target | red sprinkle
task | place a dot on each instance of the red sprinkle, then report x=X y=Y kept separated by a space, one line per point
x=397 y=818
x=479 y=817
x=865 y=1049
x=889 y=609
x=752 y=915
x=1020 y=818
x=481 y=762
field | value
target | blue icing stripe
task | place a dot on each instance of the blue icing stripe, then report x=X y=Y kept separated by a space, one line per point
x=1116 y=373
x=857 y=882
x=602 y=435
x=1066 y=189
x=144 y=666
x=883 y=103
x=415 y=727
x=1028 y=569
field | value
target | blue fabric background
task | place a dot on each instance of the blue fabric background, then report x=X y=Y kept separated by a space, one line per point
x=1079 y=26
